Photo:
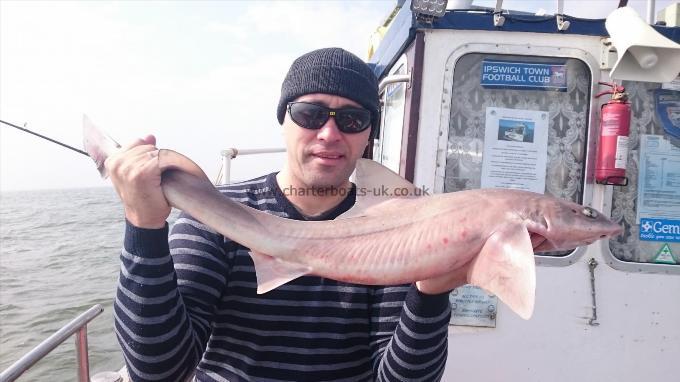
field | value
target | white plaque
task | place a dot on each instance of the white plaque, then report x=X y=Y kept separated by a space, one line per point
x=473 y=306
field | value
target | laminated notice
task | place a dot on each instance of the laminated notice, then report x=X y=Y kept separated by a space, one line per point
x=621 y=152
x=658 y=180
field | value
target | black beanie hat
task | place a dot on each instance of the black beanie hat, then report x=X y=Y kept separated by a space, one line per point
x=332 y=71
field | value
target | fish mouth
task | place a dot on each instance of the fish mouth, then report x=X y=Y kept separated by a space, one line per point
x=548 y=246
x=613 y=231
x=540 y=243
x=537 y=240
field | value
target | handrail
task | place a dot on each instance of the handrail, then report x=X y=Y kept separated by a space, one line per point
x=392 y=80
x=223 y=177
x=77 y=325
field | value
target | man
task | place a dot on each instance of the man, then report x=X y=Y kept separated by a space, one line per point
x=187 y=303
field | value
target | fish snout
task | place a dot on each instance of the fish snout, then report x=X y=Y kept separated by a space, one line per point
x=614 y=230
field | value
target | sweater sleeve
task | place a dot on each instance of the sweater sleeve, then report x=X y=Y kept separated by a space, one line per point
x=163 y=303
x=409 y=336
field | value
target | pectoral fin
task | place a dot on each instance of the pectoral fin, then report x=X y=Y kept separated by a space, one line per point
x=506 y=267
x=272 y=272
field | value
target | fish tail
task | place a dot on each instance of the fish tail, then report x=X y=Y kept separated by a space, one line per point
x=97 y=144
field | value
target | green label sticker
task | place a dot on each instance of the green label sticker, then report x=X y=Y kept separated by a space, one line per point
x=665 y=256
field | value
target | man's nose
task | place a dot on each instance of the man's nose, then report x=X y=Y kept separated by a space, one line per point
x=329 y=131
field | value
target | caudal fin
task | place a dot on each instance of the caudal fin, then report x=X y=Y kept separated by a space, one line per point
x=97 y=144
x=506 y=267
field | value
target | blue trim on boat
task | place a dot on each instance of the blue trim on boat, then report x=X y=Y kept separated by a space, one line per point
x=399 y=35
x=462 y=20
x=476 y=20
x=404 y=26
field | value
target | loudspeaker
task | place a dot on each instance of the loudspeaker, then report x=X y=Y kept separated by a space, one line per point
x=643 y=53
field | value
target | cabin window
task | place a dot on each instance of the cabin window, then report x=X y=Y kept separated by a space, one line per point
x=563 y=110
x=655 y=197
x=389 y=152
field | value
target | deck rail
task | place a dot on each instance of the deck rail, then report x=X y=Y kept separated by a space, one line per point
x=224 y=176
x=77 y=326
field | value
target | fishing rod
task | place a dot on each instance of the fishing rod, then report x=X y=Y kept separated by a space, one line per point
x=44 y=137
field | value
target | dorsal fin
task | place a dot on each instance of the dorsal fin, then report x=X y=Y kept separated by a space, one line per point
x=376 y=184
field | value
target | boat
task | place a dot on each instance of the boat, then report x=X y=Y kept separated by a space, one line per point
x=605 y=312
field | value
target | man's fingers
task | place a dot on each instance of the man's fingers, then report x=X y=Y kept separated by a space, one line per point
x=130 y=161
x=150 y=140
x=135 y=143
x=147 y=140
x=149 y=164
x=141 y=163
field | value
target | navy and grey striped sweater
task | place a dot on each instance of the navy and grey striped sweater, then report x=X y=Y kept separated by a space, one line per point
x=188 y=303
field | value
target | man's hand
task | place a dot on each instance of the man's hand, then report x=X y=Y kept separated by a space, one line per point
x=444 y=283
x=136 y=176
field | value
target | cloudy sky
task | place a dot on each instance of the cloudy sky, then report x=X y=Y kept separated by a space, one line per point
x=201 y=76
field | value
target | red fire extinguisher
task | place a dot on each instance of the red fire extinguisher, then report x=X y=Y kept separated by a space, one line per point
x=612 y=149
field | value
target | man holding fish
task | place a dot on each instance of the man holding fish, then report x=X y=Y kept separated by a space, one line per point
x=188 y=301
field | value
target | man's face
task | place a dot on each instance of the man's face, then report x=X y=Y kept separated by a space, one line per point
x=325 y=157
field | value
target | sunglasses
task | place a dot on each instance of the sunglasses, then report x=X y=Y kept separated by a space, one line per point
x=312 y=116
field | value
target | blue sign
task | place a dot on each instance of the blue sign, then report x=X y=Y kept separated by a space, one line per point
x=667 y=104
x=503 y=75
x=660 y=230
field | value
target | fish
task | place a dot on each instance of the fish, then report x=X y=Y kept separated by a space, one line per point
x=490 y=234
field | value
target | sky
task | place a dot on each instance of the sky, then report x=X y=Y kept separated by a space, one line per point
x=200 y=76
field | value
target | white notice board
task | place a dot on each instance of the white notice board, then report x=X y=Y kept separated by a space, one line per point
x=515 y=149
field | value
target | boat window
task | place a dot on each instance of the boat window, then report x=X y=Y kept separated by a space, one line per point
x=533 y=125
x=393 y=122
x=648 y=207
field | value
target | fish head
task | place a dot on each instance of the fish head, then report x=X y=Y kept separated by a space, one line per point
x=557 y=225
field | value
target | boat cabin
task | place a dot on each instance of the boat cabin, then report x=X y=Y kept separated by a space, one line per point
x=479 y=98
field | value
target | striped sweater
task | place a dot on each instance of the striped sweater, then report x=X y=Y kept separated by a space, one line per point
x=187 y=303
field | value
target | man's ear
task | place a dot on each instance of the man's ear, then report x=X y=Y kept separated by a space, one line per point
x=368 y=149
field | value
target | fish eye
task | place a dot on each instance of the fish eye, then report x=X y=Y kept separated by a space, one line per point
x=589 y=212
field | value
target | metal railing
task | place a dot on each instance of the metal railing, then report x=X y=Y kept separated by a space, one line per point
x=78 y=327
x=393 y=79
x=224 y=176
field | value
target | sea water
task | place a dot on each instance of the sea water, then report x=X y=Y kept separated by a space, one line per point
x=59 y=256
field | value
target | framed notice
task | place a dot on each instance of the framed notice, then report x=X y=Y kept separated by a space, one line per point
x=515 y=149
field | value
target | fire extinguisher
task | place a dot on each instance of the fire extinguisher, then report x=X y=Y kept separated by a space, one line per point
x=612 y=152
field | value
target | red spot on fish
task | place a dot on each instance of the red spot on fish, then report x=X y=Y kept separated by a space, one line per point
x=445 y=241
x=428 y=247
x=463 y=234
